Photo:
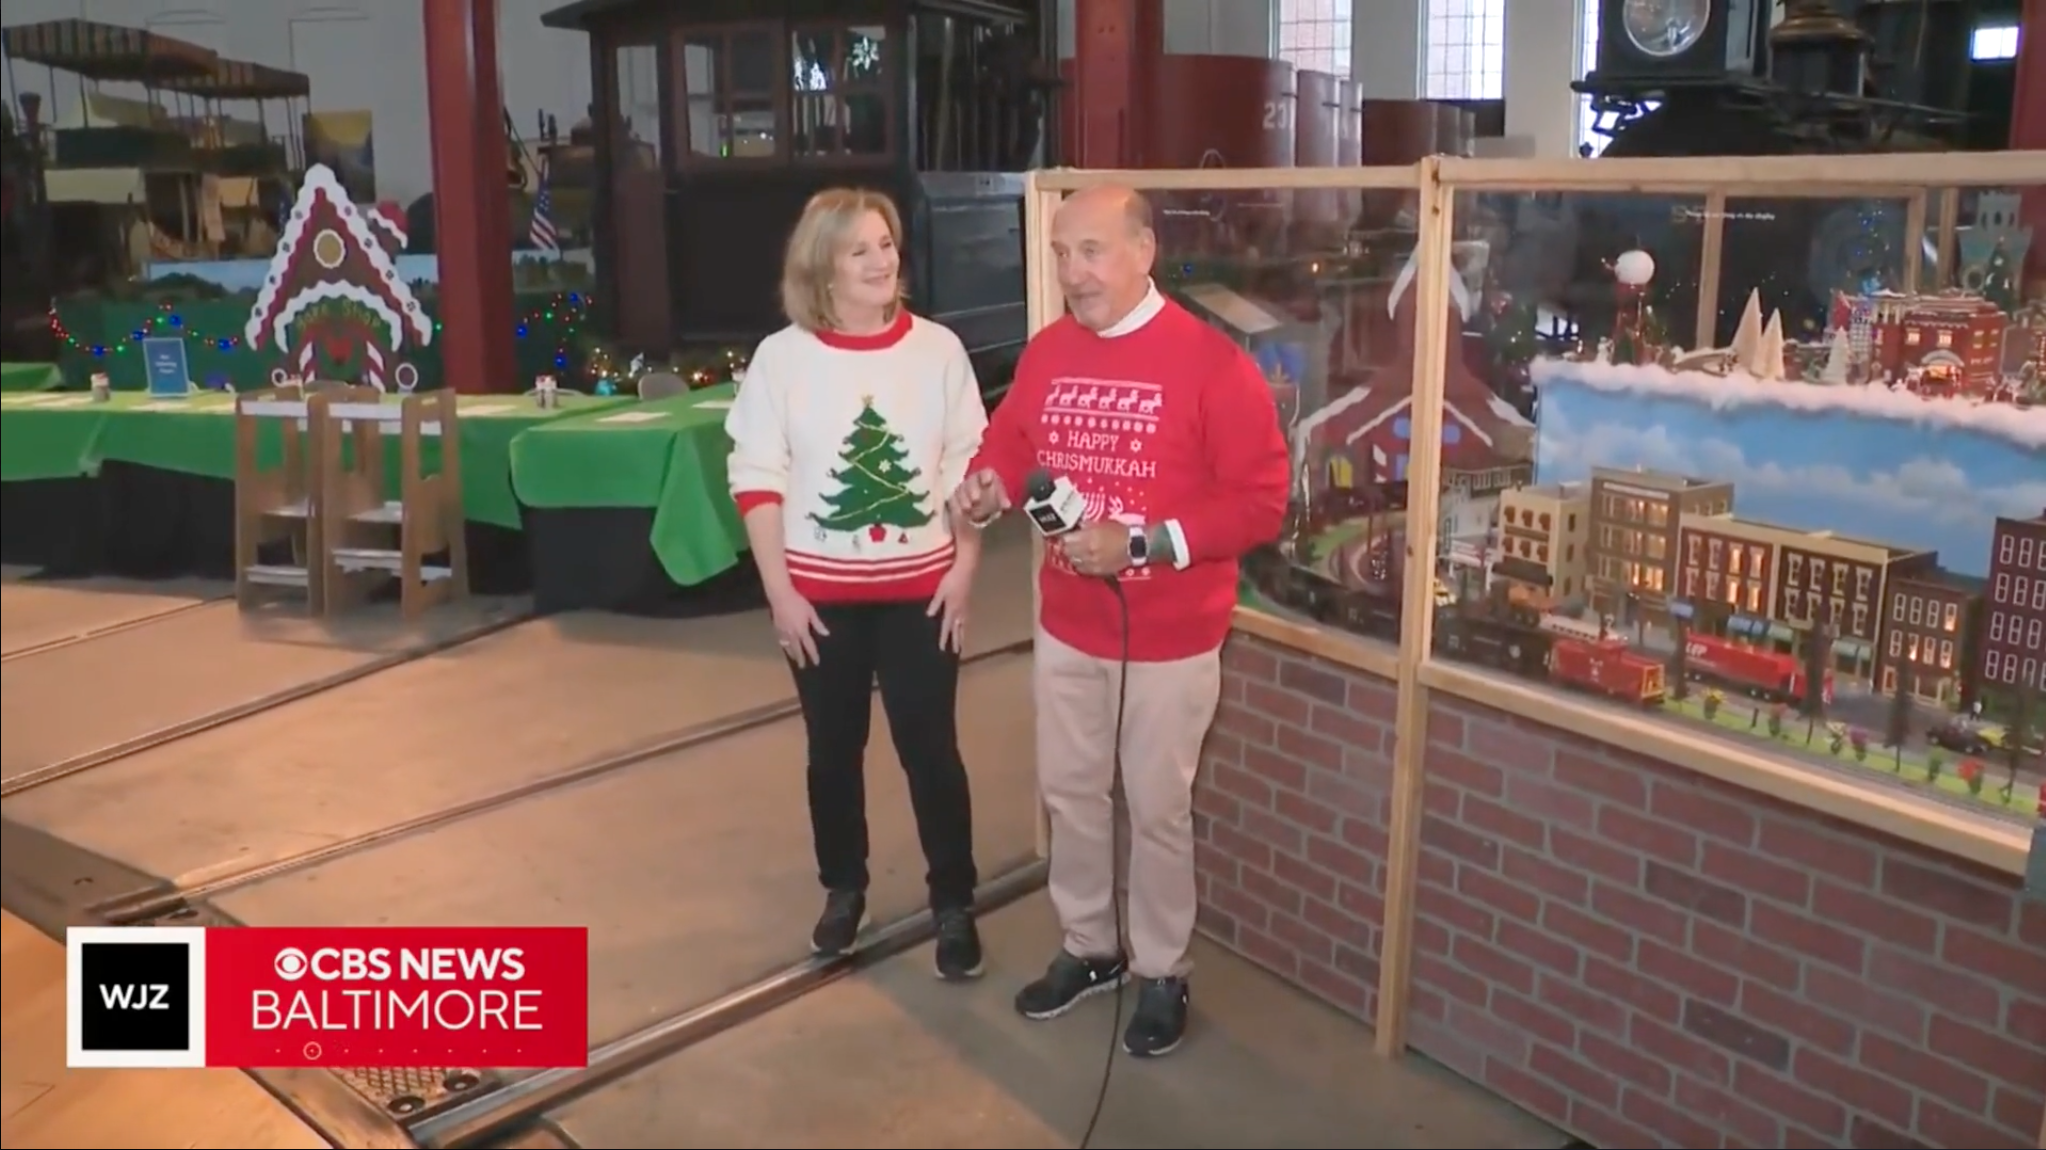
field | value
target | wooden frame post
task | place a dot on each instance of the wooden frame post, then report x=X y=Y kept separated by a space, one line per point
x=1711 y=254
x=1043 y=303
x=1417 y=608
x=1914 y=241
x=1946 y=246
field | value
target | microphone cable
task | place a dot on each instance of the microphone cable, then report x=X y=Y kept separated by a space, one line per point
x=1122 y=693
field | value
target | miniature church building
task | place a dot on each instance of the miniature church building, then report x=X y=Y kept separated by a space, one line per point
x=1362 y=437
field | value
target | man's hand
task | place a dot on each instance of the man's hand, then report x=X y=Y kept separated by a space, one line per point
x=1101 y=548
x=980 y=498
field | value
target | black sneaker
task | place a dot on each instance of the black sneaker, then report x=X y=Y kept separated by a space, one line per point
x=1066 y=982
x=845 y=912
x=1159 y=1023
x=959 y=956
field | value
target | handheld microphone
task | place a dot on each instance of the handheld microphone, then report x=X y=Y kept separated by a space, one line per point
x=1054 y=505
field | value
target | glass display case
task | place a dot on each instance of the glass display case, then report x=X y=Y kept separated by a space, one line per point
x=1749 y=451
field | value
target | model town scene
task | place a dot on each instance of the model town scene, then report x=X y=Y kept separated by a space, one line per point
x=1826 y=537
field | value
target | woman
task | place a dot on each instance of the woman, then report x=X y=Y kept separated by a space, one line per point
x=854 y=423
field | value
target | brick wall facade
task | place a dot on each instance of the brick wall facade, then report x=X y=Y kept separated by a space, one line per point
x=1636 y=954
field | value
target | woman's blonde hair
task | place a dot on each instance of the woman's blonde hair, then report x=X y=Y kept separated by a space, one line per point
x=812 y=258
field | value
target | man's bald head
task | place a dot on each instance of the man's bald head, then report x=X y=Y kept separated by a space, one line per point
x=1103 y=241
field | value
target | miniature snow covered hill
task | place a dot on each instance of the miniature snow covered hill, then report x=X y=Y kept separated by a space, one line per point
x=332 y=299
x=2023 y=427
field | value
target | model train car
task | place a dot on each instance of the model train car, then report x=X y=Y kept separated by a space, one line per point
x=1316 y=595
x=1769 y=675
x=1607 y=667
x=1504 y=643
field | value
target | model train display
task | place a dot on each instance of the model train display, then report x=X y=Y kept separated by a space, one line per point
x=1605 y=666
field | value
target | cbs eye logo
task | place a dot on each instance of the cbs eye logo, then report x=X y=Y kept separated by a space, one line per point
x=292 y=964
x=135 y=996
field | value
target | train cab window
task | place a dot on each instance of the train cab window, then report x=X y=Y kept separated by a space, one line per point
x=636 y=69
x=841 y=103
x=731 y=94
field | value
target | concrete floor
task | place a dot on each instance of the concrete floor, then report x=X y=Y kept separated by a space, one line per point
x=691 y=868
x=891 y=1057
x=38 y=614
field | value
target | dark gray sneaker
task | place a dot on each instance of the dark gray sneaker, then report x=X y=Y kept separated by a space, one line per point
x=959 y=955
x=1159 y=1023
x=838 y=928
x=1068 y=980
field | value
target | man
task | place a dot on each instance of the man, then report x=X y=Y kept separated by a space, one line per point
x=1170 y=432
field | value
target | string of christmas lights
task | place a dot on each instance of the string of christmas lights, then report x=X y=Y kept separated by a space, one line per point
x=563 y=316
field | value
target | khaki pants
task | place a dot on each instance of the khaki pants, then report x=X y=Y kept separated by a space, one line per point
x=1165 y=720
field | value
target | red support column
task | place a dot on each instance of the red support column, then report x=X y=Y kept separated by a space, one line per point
x=493 y=207
x=1104 y=82
x=2028 y=129
x=475 y=279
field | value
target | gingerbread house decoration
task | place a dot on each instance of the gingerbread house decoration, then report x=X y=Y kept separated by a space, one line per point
x=1362 y=436
x=333 y=294
x=388 y=220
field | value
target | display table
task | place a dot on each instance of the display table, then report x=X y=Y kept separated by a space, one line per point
x=625 y=508
x=30 y=377
x=145 y=487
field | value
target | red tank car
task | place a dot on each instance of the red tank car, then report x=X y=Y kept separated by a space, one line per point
x=1607 y=667
x=1765 y=674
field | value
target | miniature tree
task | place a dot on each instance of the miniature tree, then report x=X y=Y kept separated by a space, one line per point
x=2018 y=734
x=1818 y=649
x=1838 y=355
x=1679 y=668
x=1900 y=721
x=1747 y=337
x=1999 y=279
x=878 y=492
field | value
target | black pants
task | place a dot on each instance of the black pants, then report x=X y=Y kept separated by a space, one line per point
x=896 y=643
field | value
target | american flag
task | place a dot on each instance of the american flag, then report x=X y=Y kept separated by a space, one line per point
x=542 y=232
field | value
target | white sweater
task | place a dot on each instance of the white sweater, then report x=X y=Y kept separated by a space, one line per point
x=861 y=440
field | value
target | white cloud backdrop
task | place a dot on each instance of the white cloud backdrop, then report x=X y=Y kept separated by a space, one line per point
x=1916 y=491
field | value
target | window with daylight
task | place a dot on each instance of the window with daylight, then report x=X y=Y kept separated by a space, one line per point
x=1994 y=42
x=839 y=80
x=1314 y=35
x=1587 y=59
x=1466 y=53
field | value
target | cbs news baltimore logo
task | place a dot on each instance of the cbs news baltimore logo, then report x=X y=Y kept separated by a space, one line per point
x=327 y=996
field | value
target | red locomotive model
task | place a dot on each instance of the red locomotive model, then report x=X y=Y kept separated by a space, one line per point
x=1607 y=667
x=1764 y=674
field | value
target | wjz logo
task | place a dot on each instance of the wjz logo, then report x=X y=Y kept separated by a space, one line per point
x=135 y=996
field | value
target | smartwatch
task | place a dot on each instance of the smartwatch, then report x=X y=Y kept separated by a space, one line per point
x=1140 y=547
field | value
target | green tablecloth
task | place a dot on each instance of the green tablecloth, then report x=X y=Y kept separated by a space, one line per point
x=30 y=377
x=668 y=455
x=45 y=436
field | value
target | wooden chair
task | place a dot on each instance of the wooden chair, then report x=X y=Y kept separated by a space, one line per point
x=360 y=518
x=275 y=507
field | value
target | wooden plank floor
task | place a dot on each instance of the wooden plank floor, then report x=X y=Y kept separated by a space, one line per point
x=43 y=1105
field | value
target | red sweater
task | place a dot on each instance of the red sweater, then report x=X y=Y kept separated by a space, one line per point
x=1169 y=422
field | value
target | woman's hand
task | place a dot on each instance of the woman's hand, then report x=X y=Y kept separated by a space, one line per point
x=949 y=605
x=796 y=626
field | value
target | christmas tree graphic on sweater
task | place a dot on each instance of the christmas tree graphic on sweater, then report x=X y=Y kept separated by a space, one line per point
x=877 y=492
